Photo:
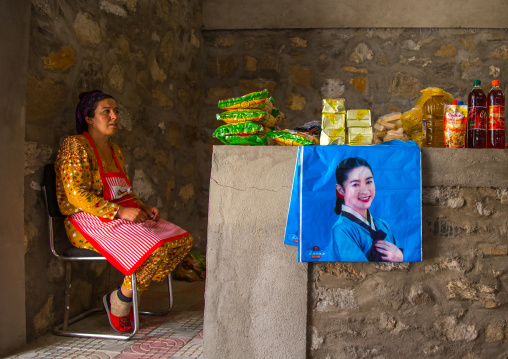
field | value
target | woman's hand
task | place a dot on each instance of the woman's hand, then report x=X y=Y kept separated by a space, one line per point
x=153 y=213
x=389 y=251
x=132 y=214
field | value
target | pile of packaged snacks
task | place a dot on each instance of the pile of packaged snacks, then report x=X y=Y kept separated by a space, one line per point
x=412 y=119
x=248 y=119
x=389 y=127
x=333 y=118
x=307 y=134
x=359 y=127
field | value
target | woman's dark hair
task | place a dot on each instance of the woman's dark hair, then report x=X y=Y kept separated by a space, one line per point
x=86 y=107
x=342 y=172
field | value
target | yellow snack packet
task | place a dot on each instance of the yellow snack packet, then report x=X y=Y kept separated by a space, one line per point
x=360 y=135
x=334 y=105
x=358 y=118
x=339 y=139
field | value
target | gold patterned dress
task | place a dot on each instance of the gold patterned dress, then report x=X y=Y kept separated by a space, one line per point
x=79 y=188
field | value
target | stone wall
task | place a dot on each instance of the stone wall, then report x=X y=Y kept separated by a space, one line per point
x=147 y=54
x=452 y=305
x=380 y=69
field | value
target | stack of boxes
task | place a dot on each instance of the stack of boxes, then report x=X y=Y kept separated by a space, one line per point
x=333 y=118
x=359 y=127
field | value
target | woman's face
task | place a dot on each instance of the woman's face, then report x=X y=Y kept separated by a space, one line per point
x=106 y=118
x=359 y=189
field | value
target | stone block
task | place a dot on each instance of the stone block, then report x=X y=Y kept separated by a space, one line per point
x=405 y=85
x=221 y=67
x=334 y=297
x=493 y=249
x=361 y=84
x=455 y=331
x=36 y=156
x=333 y=88
x=248 y=86
x=495 y=331
x=296 y=102
x=251 y=63
x=61 y=60
x=344 y=270
x=300 y=75
x=215 y=94
x=87 y=29
x=500 y=53
x=361 y=53
x=298 y=41
x=45 y=98
x=158 y=74
x=446 y=51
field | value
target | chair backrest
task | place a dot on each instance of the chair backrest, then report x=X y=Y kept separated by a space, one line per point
x=49 y=187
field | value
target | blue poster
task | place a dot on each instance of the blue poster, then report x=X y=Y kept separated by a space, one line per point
x=357 y=203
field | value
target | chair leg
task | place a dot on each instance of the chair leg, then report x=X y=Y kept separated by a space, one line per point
x=135 y=307
x=63 y=329
x=68 y=277
x=170 y=301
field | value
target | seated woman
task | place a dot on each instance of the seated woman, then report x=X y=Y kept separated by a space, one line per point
x=105 y=215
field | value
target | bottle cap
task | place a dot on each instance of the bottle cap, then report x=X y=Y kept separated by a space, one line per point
x=495 y=82
x=477 y=83
x=455 y=102
x=460 y=103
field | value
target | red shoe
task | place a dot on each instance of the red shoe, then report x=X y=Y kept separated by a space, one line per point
x=120 y=324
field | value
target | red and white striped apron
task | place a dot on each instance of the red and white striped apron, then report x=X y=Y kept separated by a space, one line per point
x=123 y=243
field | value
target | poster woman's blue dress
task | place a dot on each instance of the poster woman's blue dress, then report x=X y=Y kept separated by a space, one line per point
x=353 y=237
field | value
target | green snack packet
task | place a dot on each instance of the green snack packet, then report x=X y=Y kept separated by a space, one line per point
x=244 y=128
x=251 y=140
x=257 y=116
x=252 y=100
x=292 y=138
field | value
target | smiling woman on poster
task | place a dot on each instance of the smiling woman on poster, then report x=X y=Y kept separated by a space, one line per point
x=357 y=236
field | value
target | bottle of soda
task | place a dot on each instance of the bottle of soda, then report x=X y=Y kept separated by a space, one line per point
x=477 y=117
x=495 y=123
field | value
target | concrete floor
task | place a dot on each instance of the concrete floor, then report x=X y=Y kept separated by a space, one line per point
x=178 y=334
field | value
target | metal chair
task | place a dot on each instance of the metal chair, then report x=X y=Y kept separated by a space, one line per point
x=72 y=253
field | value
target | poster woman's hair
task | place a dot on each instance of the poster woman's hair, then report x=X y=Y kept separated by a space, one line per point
x=86 y=107
x=341 y=174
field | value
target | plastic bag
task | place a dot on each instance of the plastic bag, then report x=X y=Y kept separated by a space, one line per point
x=257 y=116
x=254 y=100
x=293 y=138
x=244 y=128
x=246 y=140
x=192 y=268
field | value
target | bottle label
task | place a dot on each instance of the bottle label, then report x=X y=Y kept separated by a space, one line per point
x=496 y=118
x=477 y=118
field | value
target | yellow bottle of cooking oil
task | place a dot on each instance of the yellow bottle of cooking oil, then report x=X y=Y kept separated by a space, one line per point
x=432 y=122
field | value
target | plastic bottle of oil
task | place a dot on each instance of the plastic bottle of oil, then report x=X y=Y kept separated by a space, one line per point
x=433 y=114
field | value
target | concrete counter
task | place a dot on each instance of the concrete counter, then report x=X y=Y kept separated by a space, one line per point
x=256 y=291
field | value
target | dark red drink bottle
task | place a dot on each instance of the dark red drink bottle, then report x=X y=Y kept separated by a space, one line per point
x=495 y=123
x=477 y=117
